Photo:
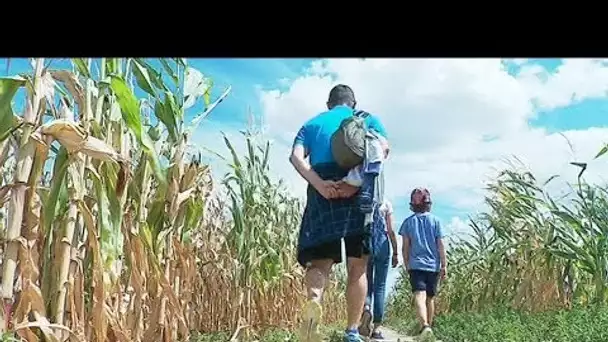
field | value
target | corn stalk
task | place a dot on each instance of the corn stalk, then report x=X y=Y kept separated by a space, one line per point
x=25 y=160
x=114 y=232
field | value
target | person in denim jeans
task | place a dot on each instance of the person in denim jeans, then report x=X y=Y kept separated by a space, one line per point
x=377 y=271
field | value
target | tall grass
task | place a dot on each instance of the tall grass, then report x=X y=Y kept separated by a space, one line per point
x=113 y=231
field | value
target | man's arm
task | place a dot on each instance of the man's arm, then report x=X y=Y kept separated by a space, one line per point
x=298 y=159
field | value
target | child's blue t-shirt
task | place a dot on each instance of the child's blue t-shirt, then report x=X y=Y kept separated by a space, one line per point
x=423 y=230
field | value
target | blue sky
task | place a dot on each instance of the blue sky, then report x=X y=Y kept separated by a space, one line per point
x=249 y=76
x=438 y=113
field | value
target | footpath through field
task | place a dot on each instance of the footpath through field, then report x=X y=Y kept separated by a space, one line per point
x=391 y=335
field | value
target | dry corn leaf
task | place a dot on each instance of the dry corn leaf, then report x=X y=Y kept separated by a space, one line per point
x=28 y=335
x=75 y=139
x=72 y=84
x=45 y=326
x=116 y=331
x=5 y=194
x=65 y=112
x=99 y=322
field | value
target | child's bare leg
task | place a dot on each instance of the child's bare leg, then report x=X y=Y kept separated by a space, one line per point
x=421 y=309
x=430 y=310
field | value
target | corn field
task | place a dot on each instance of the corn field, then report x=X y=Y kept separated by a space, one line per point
x=113 y=229
x=529 y=251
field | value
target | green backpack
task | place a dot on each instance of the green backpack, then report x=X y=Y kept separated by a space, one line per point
x=348 y=142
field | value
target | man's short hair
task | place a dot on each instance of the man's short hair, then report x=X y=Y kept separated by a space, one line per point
x=341 y=95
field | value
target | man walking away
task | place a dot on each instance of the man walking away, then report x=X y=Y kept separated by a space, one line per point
x=332 y=213
x=424 y=256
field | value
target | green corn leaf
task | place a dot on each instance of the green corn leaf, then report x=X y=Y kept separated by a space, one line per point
x=602 y=151
x=8 y=89
x=143 y=78
x=155 y=76
x=169 y=70
x=130 y=111
x=81 y=66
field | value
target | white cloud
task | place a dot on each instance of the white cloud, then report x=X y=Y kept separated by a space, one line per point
x=456 y=228
x=519 y=61
x=452 y=122
x=573 y=81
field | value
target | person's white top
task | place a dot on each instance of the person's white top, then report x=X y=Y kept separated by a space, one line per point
x=355 y=175
x=386 y=208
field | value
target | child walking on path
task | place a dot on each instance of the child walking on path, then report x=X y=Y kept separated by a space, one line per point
x=377 y=271
x=424 y=256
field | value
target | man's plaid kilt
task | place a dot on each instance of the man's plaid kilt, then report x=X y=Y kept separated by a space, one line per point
x=329 y=220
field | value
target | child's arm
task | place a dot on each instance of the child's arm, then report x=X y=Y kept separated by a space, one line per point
x=444 y=262
x=405 y=250
x=441 y=249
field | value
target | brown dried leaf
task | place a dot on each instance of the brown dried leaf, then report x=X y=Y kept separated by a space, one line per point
x=99 y=322
x=117 y=331
x=75 y=139
x=72 y=84
x=45 y=326
x=28 y=335
x=181 y=197
x=5 y=195
x=47 y=87
x=65 y=112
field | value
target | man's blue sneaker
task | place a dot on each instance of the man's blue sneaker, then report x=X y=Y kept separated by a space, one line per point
x=352 y=336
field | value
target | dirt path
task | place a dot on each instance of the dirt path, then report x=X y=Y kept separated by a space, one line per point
x=391 y=335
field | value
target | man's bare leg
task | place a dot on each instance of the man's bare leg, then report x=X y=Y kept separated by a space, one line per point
x=356 y=290
x=316 y=277
x=421 y=310
x=315 y=281
x=430 y=308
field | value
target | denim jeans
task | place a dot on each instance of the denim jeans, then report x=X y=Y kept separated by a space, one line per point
x=377 y=271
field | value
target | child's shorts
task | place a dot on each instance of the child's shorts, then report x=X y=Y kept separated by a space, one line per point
x=424 y=281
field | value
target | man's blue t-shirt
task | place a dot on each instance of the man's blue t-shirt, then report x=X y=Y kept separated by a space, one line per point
x=423 y=230
x=316 y=134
